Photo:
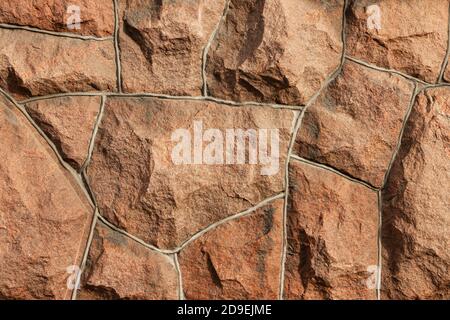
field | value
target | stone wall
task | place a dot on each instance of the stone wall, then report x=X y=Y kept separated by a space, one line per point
x=122 y=176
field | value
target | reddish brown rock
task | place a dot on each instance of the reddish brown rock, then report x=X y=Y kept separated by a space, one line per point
x=33 y=64
x=68 y=122
x=96 y=17
x=44 y=215
x=162 y=44
x=446 y=75
x=416 y=220
x=332 y=236
x=276 y=50
x=120 y=268
x=355 y=123
x=239 y=259
x=404 y=37
x=142 y=185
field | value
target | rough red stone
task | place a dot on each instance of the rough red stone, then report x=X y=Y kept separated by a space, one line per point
x=276 y=50
x=407 y=39
x=416 y=220
x=68 y=122
x=33 y=64
x=120 y=268
x=44 y=215
x=239 y=259
x=96 y=17
x=332 y=236
x=355 y=123
x=139 y=187
x=162 y=44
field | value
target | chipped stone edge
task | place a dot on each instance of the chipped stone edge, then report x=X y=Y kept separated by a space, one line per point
x=400 y=136
x=447 y=54
x=374 y=67
x=208 y=45
x=53 y=33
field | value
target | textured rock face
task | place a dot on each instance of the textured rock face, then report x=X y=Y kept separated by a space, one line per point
x=248 y=267
x=191 y=194
x=414 y=44
x=96 y=17
x=332 y=236
x=120 y=268
x=355 y=123
x=139 y=187
x=276 y=50
x=44 y=216
x=68 y=122
x=416 y=205
x=33 y=64
x=162 y=44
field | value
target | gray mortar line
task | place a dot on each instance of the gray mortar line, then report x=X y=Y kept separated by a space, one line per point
x=400 y=136
x=52 y=146
x=85 y=255
x=230 y=218
x=445 y=62
x=285 y=204
x=116 y=46
x=136 y=239
x=94 y=134
x=199 y=233
x=333 y=170
x=83 y=172
x=180 y=277
x=53 y=33
x=379 y=244
x=62 y=95
x=374 y=67
x=166 y=97
x=330 y=79
x=207 y=99
x=208 y=45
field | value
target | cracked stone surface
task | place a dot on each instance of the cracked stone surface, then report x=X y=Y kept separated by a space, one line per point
x=96 y=17
x=113 y=256
x=68 y=122
x=408 y=40
x=332 y=236
x=162 y=44
x=179 y=211
x=246 y=268
x=40 y=204
x=33 y=64
x=416 y=234
x=355 y=123
x=139 y=188
x=278 y=51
